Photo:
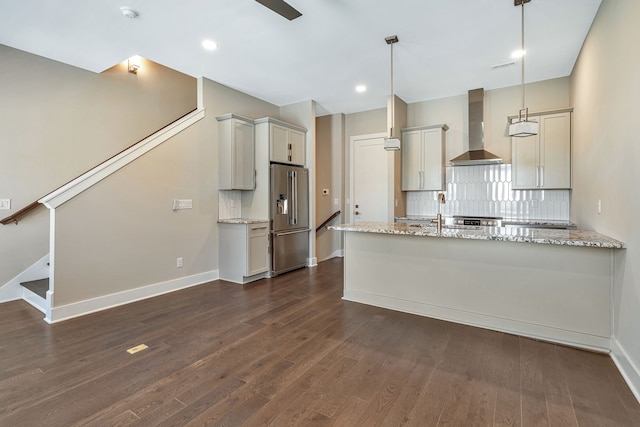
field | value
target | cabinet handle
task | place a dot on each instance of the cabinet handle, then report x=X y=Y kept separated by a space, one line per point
x=537 y=176
x=541 y=176
x=259 y=228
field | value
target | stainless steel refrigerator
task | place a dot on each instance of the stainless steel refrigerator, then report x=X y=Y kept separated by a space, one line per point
x=289 y=211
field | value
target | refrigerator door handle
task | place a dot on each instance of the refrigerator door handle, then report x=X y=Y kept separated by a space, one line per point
x=295 y=194
x=287 y=233
x=293 y=217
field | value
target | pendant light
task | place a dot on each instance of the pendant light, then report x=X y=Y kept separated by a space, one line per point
x=523 y=127
x=392 y=143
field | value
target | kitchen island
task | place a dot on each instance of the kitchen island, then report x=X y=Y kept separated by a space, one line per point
x=554 y=285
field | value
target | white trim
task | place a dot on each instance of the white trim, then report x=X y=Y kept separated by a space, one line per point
x=525 y=329
x=352 y=140
x=52 y=259
x=200 y=88
x=82 y=308
x=629 y=370
x=83 y=182
x=12 y=290
x=312 y=262
x=35 y=300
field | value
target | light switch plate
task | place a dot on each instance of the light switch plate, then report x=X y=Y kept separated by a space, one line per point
x=5 y=204
x=180 y=204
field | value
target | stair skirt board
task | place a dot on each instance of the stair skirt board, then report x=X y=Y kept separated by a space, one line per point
x=35 y=300
x=81 y=308
x=12 y=290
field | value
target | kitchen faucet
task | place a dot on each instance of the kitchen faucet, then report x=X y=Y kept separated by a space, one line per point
x=441 y=201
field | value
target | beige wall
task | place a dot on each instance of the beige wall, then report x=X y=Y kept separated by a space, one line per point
x=131 y=237
x=498 y=105
x=329 y=175
x=58 y=121
x=605 y=88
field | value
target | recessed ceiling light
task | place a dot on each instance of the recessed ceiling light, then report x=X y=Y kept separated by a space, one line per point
x=209 y=44
x=518 y=53
x=129 y=13
x=361 y=88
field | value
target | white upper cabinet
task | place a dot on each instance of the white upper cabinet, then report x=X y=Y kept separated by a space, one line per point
x=423 y=158
x=236 y=162
x=543 y=161
x=287 y=143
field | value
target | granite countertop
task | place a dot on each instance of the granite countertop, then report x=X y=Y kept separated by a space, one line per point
x=523 y=235
x=241 y=221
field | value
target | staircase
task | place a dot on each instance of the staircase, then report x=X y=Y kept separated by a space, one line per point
x=38 y=287
x=30 y=285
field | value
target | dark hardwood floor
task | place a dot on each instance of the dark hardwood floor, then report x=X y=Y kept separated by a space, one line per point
x=288 y=351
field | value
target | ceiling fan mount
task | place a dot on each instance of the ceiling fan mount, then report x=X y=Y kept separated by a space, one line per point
x=282 y=8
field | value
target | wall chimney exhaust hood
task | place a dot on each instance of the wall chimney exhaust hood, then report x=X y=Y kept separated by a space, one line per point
x=476 y=155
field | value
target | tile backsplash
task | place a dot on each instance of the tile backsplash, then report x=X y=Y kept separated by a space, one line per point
x=485 y=190
x=229 y=204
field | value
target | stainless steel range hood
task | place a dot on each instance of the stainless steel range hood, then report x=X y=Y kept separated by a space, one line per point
x=476 y=155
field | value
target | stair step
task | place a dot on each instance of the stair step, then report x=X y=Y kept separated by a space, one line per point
x=38 y=287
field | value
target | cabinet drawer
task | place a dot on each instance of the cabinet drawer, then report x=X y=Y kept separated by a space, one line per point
x=260 y=229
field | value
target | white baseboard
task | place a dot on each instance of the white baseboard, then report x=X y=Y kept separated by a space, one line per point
x=82 y=308
x=12 y=290
x=627 y=367
x=312 y=262
x=531 y=330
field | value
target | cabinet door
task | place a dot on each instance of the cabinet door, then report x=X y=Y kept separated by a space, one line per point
x=432 y=160
x=298 y=144
x=555 y=151
x=243 y=162
x=411 y=161
x=257 y=248
x=279 y=144
x=258 y=261
x=525 y=161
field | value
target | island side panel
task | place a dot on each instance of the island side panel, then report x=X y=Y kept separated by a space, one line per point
x=552 y=292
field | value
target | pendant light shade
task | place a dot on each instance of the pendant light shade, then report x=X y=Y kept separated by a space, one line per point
x=392 y=142
x=523 y=127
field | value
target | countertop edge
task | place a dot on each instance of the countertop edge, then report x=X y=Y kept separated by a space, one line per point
x=575 y=238
x=241 y=221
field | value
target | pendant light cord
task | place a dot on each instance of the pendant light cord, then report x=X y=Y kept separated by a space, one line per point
x=393 y=101
x=523 y=53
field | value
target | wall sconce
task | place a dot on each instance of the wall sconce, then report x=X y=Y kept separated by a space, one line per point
x=134 y=64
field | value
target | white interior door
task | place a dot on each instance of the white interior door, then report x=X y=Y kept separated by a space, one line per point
x=370 y=180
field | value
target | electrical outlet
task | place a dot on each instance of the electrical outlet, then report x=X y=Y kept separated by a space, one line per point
x=5 y=204
x=179 y=262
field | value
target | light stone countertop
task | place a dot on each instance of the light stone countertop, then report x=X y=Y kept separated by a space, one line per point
x=241 y=221
x=582 y=238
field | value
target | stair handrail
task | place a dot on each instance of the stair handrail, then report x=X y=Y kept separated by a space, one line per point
x=17 y=216
x=328 y=220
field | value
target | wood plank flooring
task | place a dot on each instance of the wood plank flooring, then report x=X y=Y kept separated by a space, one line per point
x=288 y=351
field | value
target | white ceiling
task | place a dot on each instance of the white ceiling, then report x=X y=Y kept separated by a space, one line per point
x=445 y=47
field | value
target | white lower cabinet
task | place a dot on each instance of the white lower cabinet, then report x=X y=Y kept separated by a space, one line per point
x=244 y=251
